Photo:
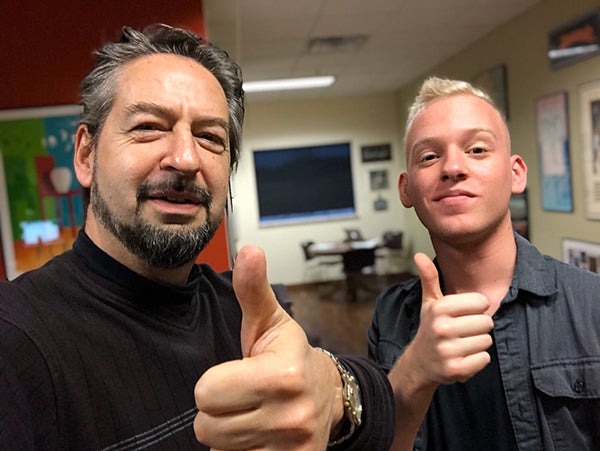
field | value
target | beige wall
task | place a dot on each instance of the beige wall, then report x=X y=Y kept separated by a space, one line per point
x=521 y=44
x=360 y=120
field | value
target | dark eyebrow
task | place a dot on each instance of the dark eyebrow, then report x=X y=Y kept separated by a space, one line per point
x=168 y=113
x=214 y=121
x=149 y=107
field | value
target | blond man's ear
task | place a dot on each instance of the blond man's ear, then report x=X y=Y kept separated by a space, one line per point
x=403 y=190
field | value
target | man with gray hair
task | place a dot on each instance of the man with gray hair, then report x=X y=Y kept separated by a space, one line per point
x=495 y=346
x=123 y=342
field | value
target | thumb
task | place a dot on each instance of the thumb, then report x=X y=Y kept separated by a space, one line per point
x=429 y=278
x=260 y=309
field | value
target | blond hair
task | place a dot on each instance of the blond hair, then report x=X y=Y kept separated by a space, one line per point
x=434 y=88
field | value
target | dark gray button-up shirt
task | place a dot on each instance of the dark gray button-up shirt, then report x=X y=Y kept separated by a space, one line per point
x=547 y=333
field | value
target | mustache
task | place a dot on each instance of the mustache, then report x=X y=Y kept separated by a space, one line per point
x=188 y=188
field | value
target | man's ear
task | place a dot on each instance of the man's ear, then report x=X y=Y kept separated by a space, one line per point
x=519 y=174
x=83 y=160
x=403 y=190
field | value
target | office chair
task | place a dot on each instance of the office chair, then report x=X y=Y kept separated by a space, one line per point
x=394 y=250
x=314 y=264
x=359 y=264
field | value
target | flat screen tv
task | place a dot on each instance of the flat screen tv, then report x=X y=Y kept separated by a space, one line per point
x=301 y=184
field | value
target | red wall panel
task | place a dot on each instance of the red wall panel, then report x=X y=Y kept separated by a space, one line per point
x=46 y=49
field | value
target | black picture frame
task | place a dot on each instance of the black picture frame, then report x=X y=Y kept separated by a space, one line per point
x=376 y=152
x=379 y=179
x=519 y=213
x=577 y=40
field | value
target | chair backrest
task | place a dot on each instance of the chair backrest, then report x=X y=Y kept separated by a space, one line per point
x=305 y=245
x=393 y=240
x=358 y=259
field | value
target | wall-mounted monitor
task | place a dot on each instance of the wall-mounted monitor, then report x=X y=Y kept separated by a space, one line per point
x=300 y=184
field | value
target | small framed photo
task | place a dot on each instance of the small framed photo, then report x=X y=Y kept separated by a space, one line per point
x=379 y=179
x=583 y=254
x=377 y=152
x=380 y=204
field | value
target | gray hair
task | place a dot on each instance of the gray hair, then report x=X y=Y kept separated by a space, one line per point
x=98 y=88
x=434 y=88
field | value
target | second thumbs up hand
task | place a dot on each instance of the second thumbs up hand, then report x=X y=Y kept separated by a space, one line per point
x=452 y=339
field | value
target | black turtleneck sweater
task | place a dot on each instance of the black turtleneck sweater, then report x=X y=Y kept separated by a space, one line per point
x=94 y=356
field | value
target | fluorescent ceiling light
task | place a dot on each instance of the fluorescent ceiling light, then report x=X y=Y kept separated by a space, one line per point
x=289 y=83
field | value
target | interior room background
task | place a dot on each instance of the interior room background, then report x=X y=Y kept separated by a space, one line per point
x=520 y=44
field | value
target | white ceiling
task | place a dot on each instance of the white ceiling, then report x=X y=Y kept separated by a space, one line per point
x=405 y=38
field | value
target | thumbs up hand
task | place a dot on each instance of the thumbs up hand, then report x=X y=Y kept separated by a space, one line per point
x=452 y=339
x=284 y=394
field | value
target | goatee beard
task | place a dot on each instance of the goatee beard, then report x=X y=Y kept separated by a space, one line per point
x=160 y=246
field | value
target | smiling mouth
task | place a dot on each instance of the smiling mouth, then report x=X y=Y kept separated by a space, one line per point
x=454 y=195
x=178 y=198
x=175 y=196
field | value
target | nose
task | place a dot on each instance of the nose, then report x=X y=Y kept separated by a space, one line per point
x=454 y=165
x=182 y=154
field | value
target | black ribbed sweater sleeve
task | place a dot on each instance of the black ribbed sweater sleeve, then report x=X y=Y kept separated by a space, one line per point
x=378 y=418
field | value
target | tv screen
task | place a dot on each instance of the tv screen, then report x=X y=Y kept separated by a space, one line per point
x=304 y=184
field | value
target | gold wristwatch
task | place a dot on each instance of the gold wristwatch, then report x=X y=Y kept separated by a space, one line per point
x=351 y=397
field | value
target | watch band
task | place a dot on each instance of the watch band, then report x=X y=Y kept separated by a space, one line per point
x=351 y=397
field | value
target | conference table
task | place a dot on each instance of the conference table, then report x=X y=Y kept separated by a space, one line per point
x=358 y=259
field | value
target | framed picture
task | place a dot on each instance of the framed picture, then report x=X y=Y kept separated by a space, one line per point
x=552 y=126
x=589 y=101
x=40 y=199
x=575 y=41
x=519 y=213
x=377 y=152
x=380 y=204
x=493 y=82
x=582 y=254
x=379 y=179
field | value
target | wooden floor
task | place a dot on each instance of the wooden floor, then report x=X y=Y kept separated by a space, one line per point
x=330 y=320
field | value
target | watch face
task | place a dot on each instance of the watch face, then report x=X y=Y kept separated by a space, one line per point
x=353 y=396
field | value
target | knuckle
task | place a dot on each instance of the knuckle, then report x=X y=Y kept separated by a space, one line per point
x=289 y=381
x=440 y=329
x=453 y=370
x=200 y=393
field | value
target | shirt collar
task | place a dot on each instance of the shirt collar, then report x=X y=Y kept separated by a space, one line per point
x=534 y=272
x=141 y=287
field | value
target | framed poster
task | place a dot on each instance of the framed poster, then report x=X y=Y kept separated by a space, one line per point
x=40 y=199
x=583 y=254
x=589 y=99
x=493 y=82
x=552 y=126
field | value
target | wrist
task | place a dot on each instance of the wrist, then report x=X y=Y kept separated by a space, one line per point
x=352 y=403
